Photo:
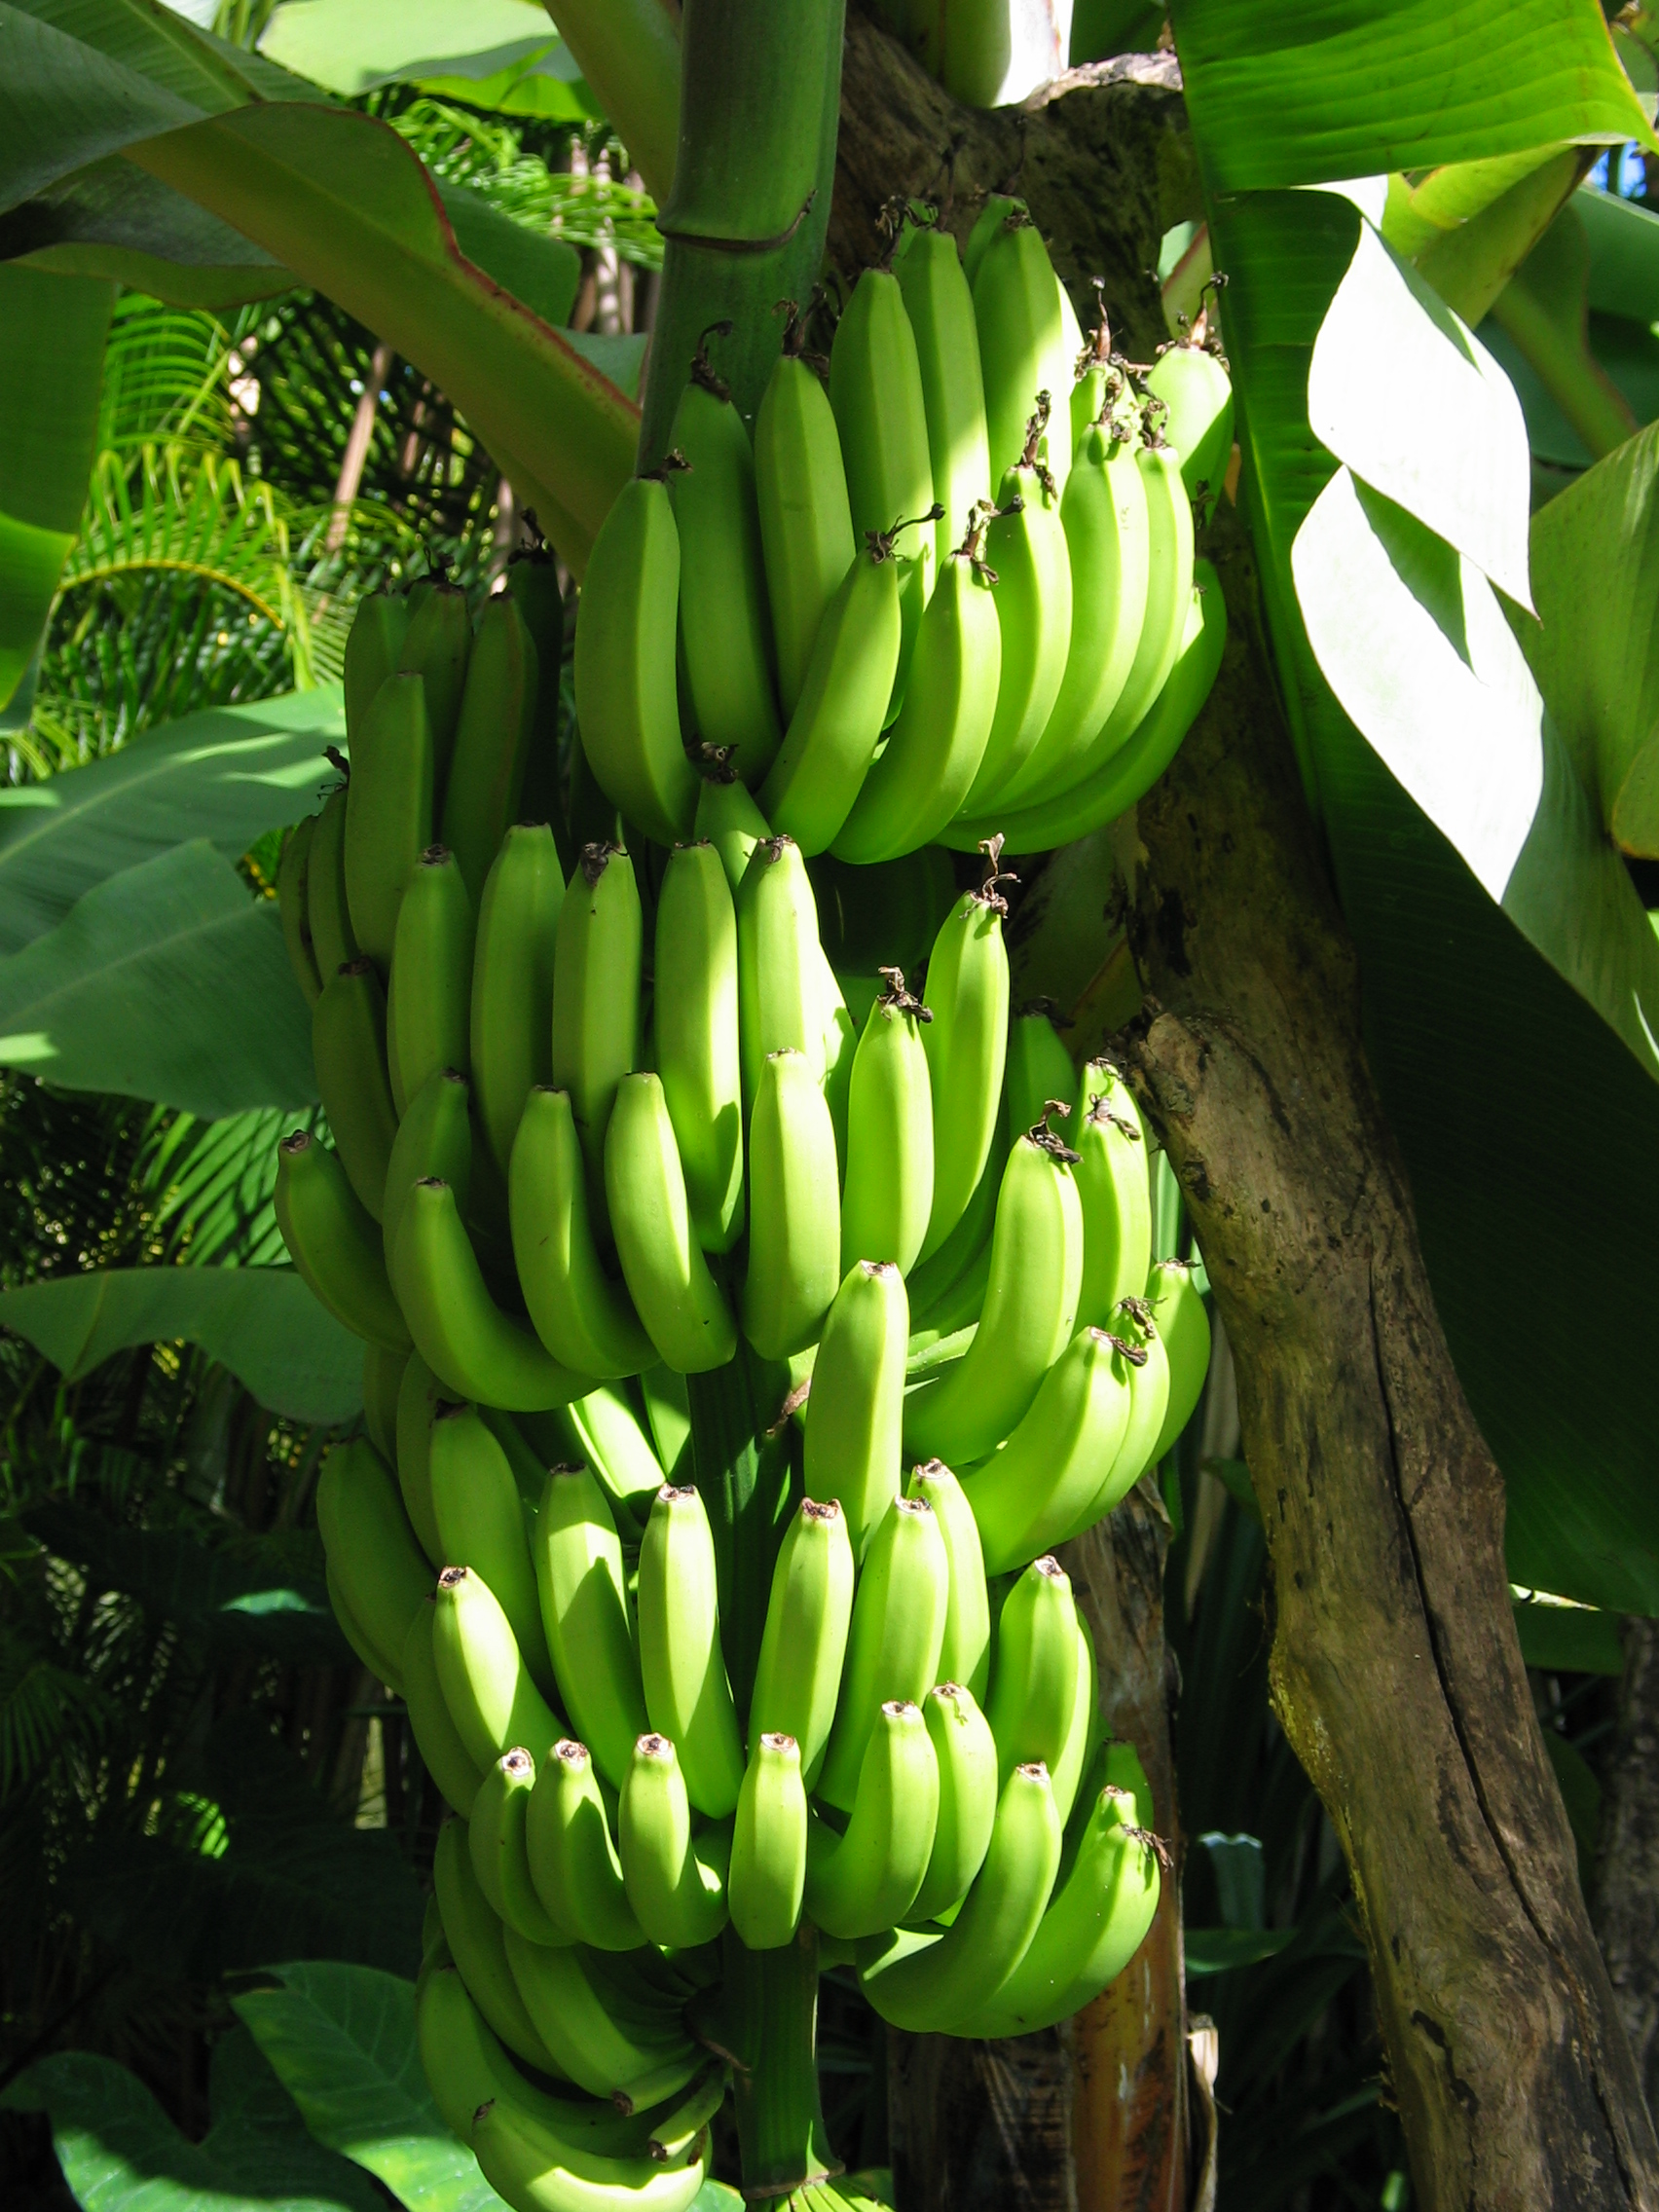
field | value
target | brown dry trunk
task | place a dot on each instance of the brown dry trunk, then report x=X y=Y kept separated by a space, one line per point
x=1627 y=1864
x=1395 y=1669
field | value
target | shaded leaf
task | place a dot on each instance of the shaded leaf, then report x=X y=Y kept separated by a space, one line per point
x=1569 y=1639
x=262 y=1323
x=352 y=48
x=1218 y=1950
x=110 y=219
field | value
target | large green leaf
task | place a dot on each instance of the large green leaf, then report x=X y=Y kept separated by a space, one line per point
x=342 y=2039
x=262 y=1323
x=111 y=220
x=1360 y=88
x=120 y=2152
x=168 y=981
x=351 y=45
x=227 y=774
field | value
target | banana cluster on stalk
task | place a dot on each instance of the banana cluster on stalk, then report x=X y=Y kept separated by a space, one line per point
x=949 y=592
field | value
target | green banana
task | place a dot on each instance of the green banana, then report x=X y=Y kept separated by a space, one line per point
x=966 y=1043
x=291 y=906
x=490 y=1696
x=585 y=1319
x=812 y=785
x=584 y=1612
x=1196 y=393
x=697 y=1052
x=443 y=1755
x=677 y=1882
x=601 y=1428
x=1149 y=1401
x=430 y=994
x=1028 y=1495
x=940 y=304
x=634 y=2061
x=1082 y=1735
x=987 y=225
x=626 y=703
x=370 y=1545
x=1095 y=1924
x=855 y=1407
x=1024 y=346
x=965 y=1654
x=668 y=1416
x=383 y=1665
x=1037 y=1073
x=382 y=1377
x=1113 y=1186
x=348 y=1048
x=890 y=1140
x=927 y=767
x=728 y=818
x=596 y=996
x=481 y=1524
x=389 y=810
x=328 y=912
x=725 y=633
x=674 y=2133
x=533 y=578
x=768 y=1880
x=437 y=647
x=511 y=1009
x=687 y=1695
x=1025 y=545
x=1034 y=1687
x=491 y=740
x=1178 y=1309
x=965 y=1752
x=536 y=2169
x=806 y=522
x=780 y=988
x=683 y=1308
x=571 y=1853
x=417 y=1399
x=476 y=1938
x=333 y=1242
x=373 y=644
x=1169 y=599
x=1030 y=1309
x=897 y=1628
x=435 y=1137
x=495 y=1838
x=929 y=1982
x=795 y=1210
x=864 y=1879
x=838 y=1046
x=937 y=1286
x=474 y=1348
x=808 y=1613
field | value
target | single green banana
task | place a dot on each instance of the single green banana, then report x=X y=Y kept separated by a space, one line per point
x=1095 y=1924
x=726 y=628
x=768 y=1880
x=1027 y=1496
x=928 y=765
x=806 y=522
x=495 y=1838
x=683 y=1308
x=798 y=1678
x=533 y=578
x=795 y=1210
x=836 y=724
x=890 y=1140
x=511 y=1009
x=437 y=1739
x=1024 y=346
x=383 y=1665
x=473 y=1348
x=437 y=647
x=1183 y=1323
x=373 y=644
x=388 y=811
x=435 y=1137
x=854 y=1411
x=370 y=1545
x=417 y=1399
x=476 y=1938
x=491 y=740
x=1149 y=1401
x=571 y=1853
x=584 y=1612
x=492 y=1698
x=697 y=1051
x=430 y=995
x=585 y=1319
x=677 y=2131
x=348 y=1048
x=481 y=1524
x=780 y=986
x=596 y=996
x=929 y=1982
x=634 y=2061
x=1025 y=545
x=729 y=819
x=1114 y=549
x=965 y=1654
x=837 y=1047
x=535 y=2169
x=677 y=1882
x=602 y=1429
x=1083 y=1735
x=966 y=1042
x=626 y=703
x=987 y=225
x=1037 y=1073
x=382 y=1377
x=893 y=1647
x=328 y=912
x=938 y=1285
x=1117 y=1206
x=939 y=304
x=1196 y=393
x=862 y=1881
x=687 y=1695
x=333 y=1242
x=291 y=906
x=965 y=1752
x=1030 y=1309
x=1034 y=1685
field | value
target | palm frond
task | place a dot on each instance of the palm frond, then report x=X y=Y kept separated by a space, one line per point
x=165 y=377
x=210 y=1182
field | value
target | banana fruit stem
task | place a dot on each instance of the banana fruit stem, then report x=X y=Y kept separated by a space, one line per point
x=741 y=1451
x=769 y=2028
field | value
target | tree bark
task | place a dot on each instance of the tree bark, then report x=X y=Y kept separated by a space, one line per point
x=1395 y=1667
x=1627 y=1868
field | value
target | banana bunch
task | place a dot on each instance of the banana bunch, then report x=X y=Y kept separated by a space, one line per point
x=949 y=592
